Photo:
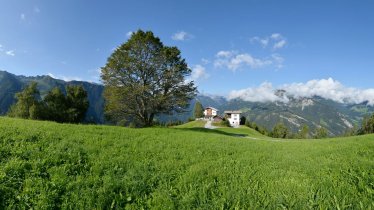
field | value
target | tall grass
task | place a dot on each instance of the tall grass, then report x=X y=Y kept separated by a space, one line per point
x=46 y=165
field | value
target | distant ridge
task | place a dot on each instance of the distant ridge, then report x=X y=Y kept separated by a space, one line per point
x=10 y=84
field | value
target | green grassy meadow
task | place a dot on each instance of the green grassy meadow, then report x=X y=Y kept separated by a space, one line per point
x=45 y=165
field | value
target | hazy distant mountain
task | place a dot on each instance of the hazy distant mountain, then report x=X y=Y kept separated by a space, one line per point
x=11 y=84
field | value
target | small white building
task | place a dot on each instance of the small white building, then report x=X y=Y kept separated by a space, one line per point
x=233 y=117
x=210 y=112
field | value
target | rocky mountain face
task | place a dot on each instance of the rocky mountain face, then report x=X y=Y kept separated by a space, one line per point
x=296 y=112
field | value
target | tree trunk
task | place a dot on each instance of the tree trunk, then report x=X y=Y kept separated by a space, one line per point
x=148 y=120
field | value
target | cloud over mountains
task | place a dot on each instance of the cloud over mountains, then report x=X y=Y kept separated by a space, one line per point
x=326 y=88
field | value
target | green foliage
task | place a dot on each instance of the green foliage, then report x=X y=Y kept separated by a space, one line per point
x=55 y=102
x=45 y=165
x=77 y=103
x=198 y=110
x=303 y=132
x=321 y=133
x=248 y=123
x=55 y=106
x=143 y=78
x=28 y=103
x=257 y=128
x=11 y=84
x=367 y=125
x=225 y=122
x=243 y=120
x=352 y=131
x=280 y=131
x=191 y=119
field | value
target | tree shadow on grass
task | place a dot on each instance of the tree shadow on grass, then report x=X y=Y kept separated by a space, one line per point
x=206 y=130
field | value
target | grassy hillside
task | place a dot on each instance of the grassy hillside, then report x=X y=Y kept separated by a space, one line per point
x=192 y=124
x=47 y=165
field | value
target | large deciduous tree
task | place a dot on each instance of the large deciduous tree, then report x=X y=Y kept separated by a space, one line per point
x=143 y=78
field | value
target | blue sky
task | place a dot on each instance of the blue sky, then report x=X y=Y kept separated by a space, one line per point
x=230 y=45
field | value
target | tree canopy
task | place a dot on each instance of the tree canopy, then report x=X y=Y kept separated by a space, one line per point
x=303 y=132
x=321 y=133
x=143 y=78
x=56 y=106
x=280 y=131
x=367 y=125
x=28 y=104
x=71 y=107
x=198 y=110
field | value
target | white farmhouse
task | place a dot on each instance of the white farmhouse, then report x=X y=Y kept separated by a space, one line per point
x=233 y=117
x=210 y=112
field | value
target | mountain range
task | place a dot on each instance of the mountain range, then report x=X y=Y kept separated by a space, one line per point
x=315 y=111
x=297 y=111
x=10 y=84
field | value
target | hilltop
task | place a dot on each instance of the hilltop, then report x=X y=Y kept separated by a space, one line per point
x=50 y=165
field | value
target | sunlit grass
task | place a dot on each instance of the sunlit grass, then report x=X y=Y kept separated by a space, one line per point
x=46 y=165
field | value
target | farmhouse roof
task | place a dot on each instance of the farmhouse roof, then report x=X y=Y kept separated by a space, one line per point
x=233 y=112
x=209 y=107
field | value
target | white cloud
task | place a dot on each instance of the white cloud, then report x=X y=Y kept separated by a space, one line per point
x=233 y=60
x=1 y=48
x=263 y=93
x=276 y=36
x=279 y=44
x=52 y=75
x=225 y=54
x=182 y=36
x=23 y=16
x=330 y=89
x=199 y=72
x=10 y=53
x=65 y=78
x=325 y=88
x=276 y=40
x=128 y=34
